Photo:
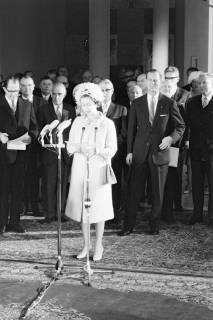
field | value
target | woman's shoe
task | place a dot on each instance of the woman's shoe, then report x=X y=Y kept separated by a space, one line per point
x=98 y=254
x=82 y=254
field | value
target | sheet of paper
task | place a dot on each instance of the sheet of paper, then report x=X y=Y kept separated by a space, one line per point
x=174 y=152
x=16 y=145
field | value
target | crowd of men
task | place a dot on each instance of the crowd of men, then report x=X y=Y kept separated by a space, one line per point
x=151 y=113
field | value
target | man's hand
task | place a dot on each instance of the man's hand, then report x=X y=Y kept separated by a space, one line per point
x=187 y=144
x=27 y=140
x=129 y=159
x=73 y=147
x=166 y=143
x=3 y=137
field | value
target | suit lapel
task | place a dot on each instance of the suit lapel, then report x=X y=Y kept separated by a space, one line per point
x=65 y=114
x=52 y=111
x=110 y=110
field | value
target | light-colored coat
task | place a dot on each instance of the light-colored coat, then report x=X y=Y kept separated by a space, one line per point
x=101 y=135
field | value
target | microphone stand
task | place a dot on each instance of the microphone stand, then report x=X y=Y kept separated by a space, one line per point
x=87 y=205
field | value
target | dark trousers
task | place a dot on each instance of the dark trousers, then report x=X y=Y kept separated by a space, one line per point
x=32 y=177
x=118 y=164
x=200 y=169
x=49 y=188
x=173 y=189
x=138 y=177
x=11 y=190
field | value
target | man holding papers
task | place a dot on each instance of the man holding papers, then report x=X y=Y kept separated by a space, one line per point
x=18 y=128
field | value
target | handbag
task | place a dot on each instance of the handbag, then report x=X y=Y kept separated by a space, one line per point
x=110 y=176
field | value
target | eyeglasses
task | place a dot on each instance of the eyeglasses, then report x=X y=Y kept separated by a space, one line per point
x=12 y=91
x=106 y=90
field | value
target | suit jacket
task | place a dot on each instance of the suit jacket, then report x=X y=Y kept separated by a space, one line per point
x=181 y=96
x=144 y=137
x=200 y=123
x=46 y=114
x=118 y=114
x=15 y=125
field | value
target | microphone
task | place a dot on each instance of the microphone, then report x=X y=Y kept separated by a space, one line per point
x=63 y=125
x=48 y=128
x=53 y=125
x=44 y=131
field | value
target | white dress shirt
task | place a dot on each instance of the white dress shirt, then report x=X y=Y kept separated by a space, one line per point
x=149 y=98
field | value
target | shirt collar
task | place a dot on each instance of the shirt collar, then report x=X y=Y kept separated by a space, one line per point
x=28 y=99
x=10 y=102
x=58 y=107
x=105 y=107
x=208 y=97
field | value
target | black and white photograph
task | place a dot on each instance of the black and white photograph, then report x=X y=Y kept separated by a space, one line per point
x=106 y=159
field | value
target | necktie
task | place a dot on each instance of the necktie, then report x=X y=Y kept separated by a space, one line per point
x=205 y=102
x=58 y=113
x=13 y=105
x=152 y=110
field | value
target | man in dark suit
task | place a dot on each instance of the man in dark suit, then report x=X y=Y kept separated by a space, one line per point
x=173 y=187
x=118 y=114
x=154 y=125
x=199 y=119
x=45 y=89
x=32 y=175
x=46 y=114
x=17 y=118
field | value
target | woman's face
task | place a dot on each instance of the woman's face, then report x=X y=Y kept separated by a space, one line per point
x=88 y=106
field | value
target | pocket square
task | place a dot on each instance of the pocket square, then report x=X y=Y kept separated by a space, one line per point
x=163 y=115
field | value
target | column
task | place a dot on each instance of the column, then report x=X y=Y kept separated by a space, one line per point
x=99 y=37
x=160 y=51
x=210 y=48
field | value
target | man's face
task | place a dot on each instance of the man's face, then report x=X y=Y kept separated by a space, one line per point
x=63 y=71
x=12 y=89
x=206 y=85
x=64 y=80
x=172 y=78
x=141 y=81
x=27 y=86
x=107 y=90
x=153 y=83
x=134 y=93
x=58 y=95
x=87 y=76
x=167 y=88
x=130 y=84
x=46 y=87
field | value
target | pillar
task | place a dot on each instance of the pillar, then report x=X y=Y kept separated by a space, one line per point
x=99 y=37
x=160 y=51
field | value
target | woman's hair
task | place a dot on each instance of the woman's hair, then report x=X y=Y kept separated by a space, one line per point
x=88 y=89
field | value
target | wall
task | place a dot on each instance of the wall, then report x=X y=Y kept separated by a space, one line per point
x=32 y=35
x=191 y=35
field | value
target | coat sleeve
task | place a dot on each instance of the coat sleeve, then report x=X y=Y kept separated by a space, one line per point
x=33 y=128
x=178 y=122
x=110 y=143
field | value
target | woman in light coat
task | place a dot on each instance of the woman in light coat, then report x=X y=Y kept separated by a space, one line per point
x=93 y=142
